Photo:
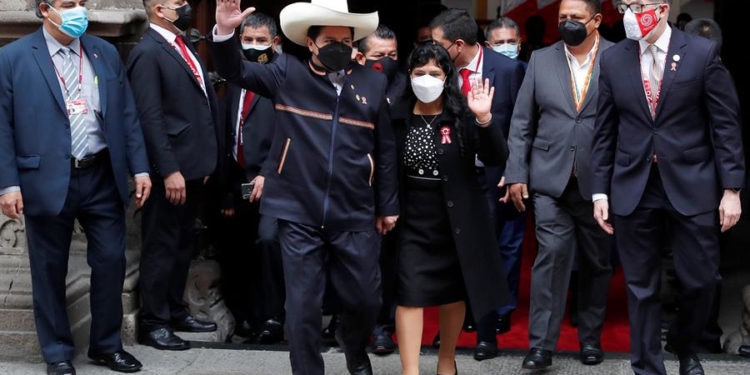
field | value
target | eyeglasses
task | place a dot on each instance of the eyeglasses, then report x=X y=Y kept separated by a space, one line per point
x=636 y=8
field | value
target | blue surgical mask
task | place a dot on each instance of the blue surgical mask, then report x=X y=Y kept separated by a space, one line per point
x=507 y=49
x=74 y=21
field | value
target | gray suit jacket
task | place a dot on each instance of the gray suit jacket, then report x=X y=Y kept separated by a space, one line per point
x=547 y=133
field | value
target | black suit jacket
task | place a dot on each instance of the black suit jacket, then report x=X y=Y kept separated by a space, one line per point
x=177 y=117
x=696 y=134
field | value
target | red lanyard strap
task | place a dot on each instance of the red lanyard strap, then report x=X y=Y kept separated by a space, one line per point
x=80 y=71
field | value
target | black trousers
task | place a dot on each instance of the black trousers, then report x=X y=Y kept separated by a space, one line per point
x=168 y=238
x=352 y=259
x=389 y=272
x=93 y=200
x=694 y=241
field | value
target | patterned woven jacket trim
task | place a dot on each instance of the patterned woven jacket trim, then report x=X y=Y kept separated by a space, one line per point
x=363 y=124
x=283 y=155
x=304 y=112
x=372 y=168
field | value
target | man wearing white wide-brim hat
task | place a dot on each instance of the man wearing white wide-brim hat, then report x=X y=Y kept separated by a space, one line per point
x=334 y=180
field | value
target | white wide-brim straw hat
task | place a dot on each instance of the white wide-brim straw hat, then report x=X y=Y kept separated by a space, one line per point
x=297 y=18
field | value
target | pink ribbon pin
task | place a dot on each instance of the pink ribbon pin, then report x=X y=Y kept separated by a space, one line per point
x=446 y=132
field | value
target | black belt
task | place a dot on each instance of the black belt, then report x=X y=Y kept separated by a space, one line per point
x=89 y=161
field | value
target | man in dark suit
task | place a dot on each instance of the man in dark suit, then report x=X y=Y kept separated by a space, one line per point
x=177 y=107
x=456 y=31
x=551 y=132
x=335 y=174
x=504 y=37
x=69 y=139
x=379 y=51
x=667 y=148
x=256 y=298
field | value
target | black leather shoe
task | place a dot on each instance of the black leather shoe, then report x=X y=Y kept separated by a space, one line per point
x=503 y=324
x=690 y=365
x=120 y=361
x=245 y=329
x=60 y=368
x=329 y=333
x=271 y=333
x=163 y=339
x=383 y=344
x=436 y=341
x=485 y=350
x=591 y=354
x=537 y=359
x=360 y=365
x=190 y=324
x=744 y=351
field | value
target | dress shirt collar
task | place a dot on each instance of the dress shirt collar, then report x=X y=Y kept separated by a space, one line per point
x=475 y=65
x=166 y=34
x=54 y=46
x=589 y=57
x=662 y=43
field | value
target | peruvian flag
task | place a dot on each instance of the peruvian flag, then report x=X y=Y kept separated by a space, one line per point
x=521 y=10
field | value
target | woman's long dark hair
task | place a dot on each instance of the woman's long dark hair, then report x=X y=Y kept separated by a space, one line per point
x=454 y=103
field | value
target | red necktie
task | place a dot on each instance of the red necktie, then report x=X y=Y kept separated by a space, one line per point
x=245 y=110
x=466 y=86
x=188 y=60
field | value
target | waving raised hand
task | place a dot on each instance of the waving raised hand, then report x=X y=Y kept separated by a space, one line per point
x=229 y=16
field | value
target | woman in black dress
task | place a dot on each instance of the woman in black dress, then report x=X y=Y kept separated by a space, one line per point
x=447 y=253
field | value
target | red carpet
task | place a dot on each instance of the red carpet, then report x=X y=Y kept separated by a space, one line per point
x=615 y=335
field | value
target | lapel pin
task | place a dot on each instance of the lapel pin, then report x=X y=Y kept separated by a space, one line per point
x=364 y=100
x=676 y=58
x=674 y=67
x=96 y=56
x=446 y=132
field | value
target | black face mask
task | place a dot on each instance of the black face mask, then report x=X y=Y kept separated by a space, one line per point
x=573 y=33
x=184 y=17
x=385 y=65
x=259 y=56
x=335 y=56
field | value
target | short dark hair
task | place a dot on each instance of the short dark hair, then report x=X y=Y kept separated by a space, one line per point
x=258 y=20
x=706 y=28
x=502 y=23
x=382 y=32
x=456 y=24
x=40 y=2
x=314 y=31
x=595 y=6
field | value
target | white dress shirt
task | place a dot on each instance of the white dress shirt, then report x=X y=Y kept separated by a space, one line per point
x=662 y=45
x=581 y=71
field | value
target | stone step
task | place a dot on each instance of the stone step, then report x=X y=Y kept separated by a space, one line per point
x=16 y=320
x=19 y=346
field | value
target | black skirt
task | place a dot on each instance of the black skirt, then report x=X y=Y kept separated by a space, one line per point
x=429 y=273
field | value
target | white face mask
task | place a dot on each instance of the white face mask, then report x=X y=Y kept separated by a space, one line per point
x=427 y=88
x=246 y=47
x=507 y=49
x=642 y=25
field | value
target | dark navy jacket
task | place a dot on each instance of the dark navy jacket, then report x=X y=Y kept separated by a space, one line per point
x=334 y=156
x=696 y=134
